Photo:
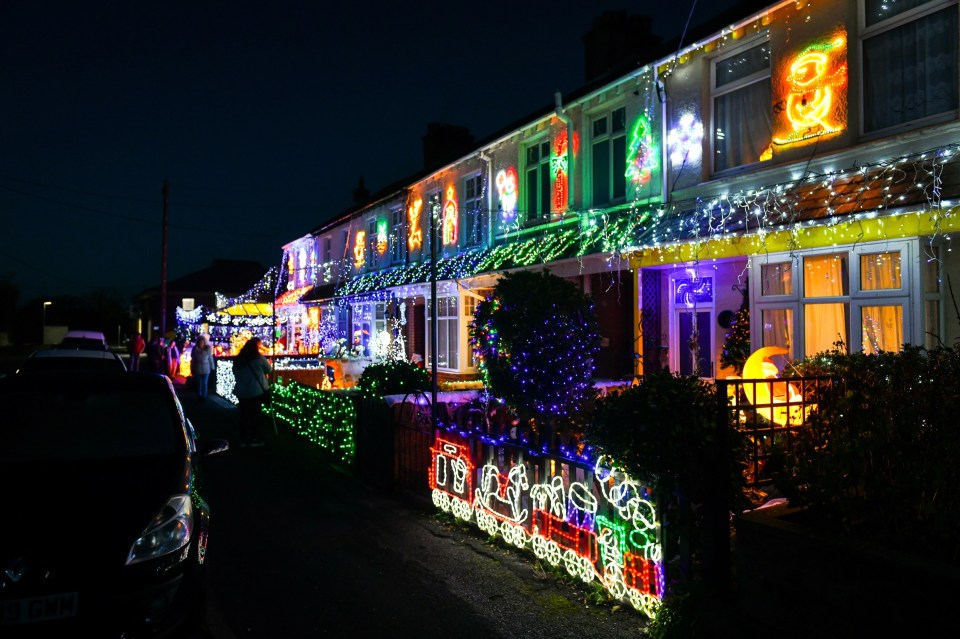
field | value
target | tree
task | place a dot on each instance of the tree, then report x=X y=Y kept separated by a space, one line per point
x=536 y=337
x=736 y=348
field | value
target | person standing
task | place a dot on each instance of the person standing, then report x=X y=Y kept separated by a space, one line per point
x=252 y=388
x=201 y=365
x=173 y=359
x=155 y=355
x=136 y=347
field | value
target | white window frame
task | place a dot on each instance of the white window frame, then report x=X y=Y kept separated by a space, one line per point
x=472 y=211
x=674 y=320
x=610 y=136
x=398 y=235
x=444 y=320
x=542 y=164
x=732 y=87
x=890 y=24
x=855 y=299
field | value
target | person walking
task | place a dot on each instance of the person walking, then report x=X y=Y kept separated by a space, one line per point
x=173 y=359
x=136 y=347
x=252 y=389
x=201 y=365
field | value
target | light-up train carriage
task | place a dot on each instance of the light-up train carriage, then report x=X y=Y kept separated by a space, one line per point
x=563 y=527
x=451 y=478
x=630 y=549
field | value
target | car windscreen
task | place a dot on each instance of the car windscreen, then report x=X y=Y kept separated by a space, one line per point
x=54 y=424
x=86 y=343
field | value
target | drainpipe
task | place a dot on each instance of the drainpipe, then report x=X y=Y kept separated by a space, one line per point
x=569 y=122
x=488 y=232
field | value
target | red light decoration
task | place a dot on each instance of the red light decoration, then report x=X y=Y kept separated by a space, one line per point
x=558 y=162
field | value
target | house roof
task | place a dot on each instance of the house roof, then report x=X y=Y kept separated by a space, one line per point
x=228 y=277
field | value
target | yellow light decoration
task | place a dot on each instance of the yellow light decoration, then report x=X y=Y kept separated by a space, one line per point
x=767 y=396
x=450 y=218
x=813 y=109
x=415 y=235
x=360 y=249
x=313 y=317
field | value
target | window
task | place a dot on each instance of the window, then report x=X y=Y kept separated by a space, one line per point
x=448 y=332
x=909 y=61
x=537 y=181
x=434 y=210
x=474 y=220
x=372 y=242
x=369 y=320
x=856 y=297
x=344 y=248
x=327 y=249
x=469 y=309
x=609 y=157
x=742 y=116
x=398 y=240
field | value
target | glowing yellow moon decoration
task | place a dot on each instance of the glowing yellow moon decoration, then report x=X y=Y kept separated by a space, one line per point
x=766 y=396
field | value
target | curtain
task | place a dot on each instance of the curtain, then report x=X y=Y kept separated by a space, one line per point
x=744 y=127
x=824 y=323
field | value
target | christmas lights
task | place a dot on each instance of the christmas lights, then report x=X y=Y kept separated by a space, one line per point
x=814 y=106
x=685 y=141
x=508 y=192
x=450 y=218
x=641 y=159
x=414 y=233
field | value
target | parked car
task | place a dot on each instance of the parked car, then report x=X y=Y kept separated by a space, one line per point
x=105 y=524
x=88 y=340
x=73 y=360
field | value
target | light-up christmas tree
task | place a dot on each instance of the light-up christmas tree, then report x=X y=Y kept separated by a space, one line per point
x=736 y=347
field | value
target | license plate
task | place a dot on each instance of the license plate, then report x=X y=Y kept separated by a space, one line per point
x=33 y=609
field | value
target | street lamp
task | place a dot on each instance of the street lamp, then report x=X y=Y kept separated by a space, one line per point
x=43 y=336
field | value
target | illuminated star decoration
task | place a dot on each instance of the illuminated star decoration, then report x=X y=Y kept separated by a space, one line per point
x=415 y=235
x=815 y=73
x=686 y=141
x=450 y=218
x=508 y=193
x=640 y=157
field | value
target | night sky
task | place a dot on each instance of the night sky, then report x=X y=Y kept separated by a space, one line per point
x=262 y=116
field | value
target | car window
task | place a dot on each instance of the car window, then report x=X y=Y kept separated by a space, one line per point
x=85 y=343
x=57 y=424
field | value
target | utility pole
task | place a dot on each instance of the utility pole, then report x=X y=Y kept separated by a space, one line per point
x=163 y=259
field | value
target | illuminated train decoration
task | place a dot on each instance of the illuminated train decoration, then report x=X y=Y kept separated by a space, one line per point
x=604 y=528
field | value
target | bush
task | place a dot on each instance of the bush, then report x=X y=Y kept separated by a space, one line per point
x=880 y=460
x=393 y=378
x=537 y=336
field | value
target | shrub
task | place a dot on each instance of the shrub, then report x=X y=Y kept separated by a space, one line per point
x=881 y=459
x=393 y=378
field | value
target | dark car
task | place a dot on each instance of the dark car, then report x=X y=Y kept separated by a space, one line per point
x=105 y=526
x=73 y=359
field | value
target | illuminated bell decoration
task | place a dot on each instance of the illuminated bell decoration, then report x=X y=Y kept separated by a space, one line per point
x=414 y=234
x=507 y=192
x=450 y=218
x=816 y=72
x=359 y=249
x=686 y=141
x=640 y=157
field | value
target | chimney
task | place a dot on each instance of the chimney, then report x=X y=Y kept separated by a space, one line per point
x=616 y=41
x=444 y=143
x=360 y=194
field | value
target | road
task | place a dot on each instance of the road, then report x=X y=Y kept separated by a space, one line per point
x=300 y=547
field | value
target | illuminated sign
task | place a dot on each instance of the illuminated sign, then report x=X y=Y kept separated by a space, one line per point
x=641 y=159
x=359 y=249
x=558 y=164
x=381 y=236
x=813 y=106
x=507 y=192
x=415 y=235
x=450 y=218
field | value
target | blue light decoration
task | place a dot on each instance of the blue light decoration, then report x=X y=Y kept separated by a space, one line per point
x=693 y=290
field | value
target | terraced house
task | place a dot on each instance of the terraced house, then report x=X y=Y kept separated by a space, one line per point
x=799 y=158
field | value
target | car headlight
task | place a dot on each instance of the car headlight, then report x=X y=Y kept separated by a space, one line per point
x=169 y=531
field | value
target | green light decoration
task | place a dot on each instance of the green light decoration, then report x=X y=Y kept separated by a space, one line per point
x=325 y=419
x=641 y=159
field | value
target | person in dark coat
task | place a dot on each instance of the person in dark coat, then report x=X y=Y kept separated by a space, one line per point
x=156 y=355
